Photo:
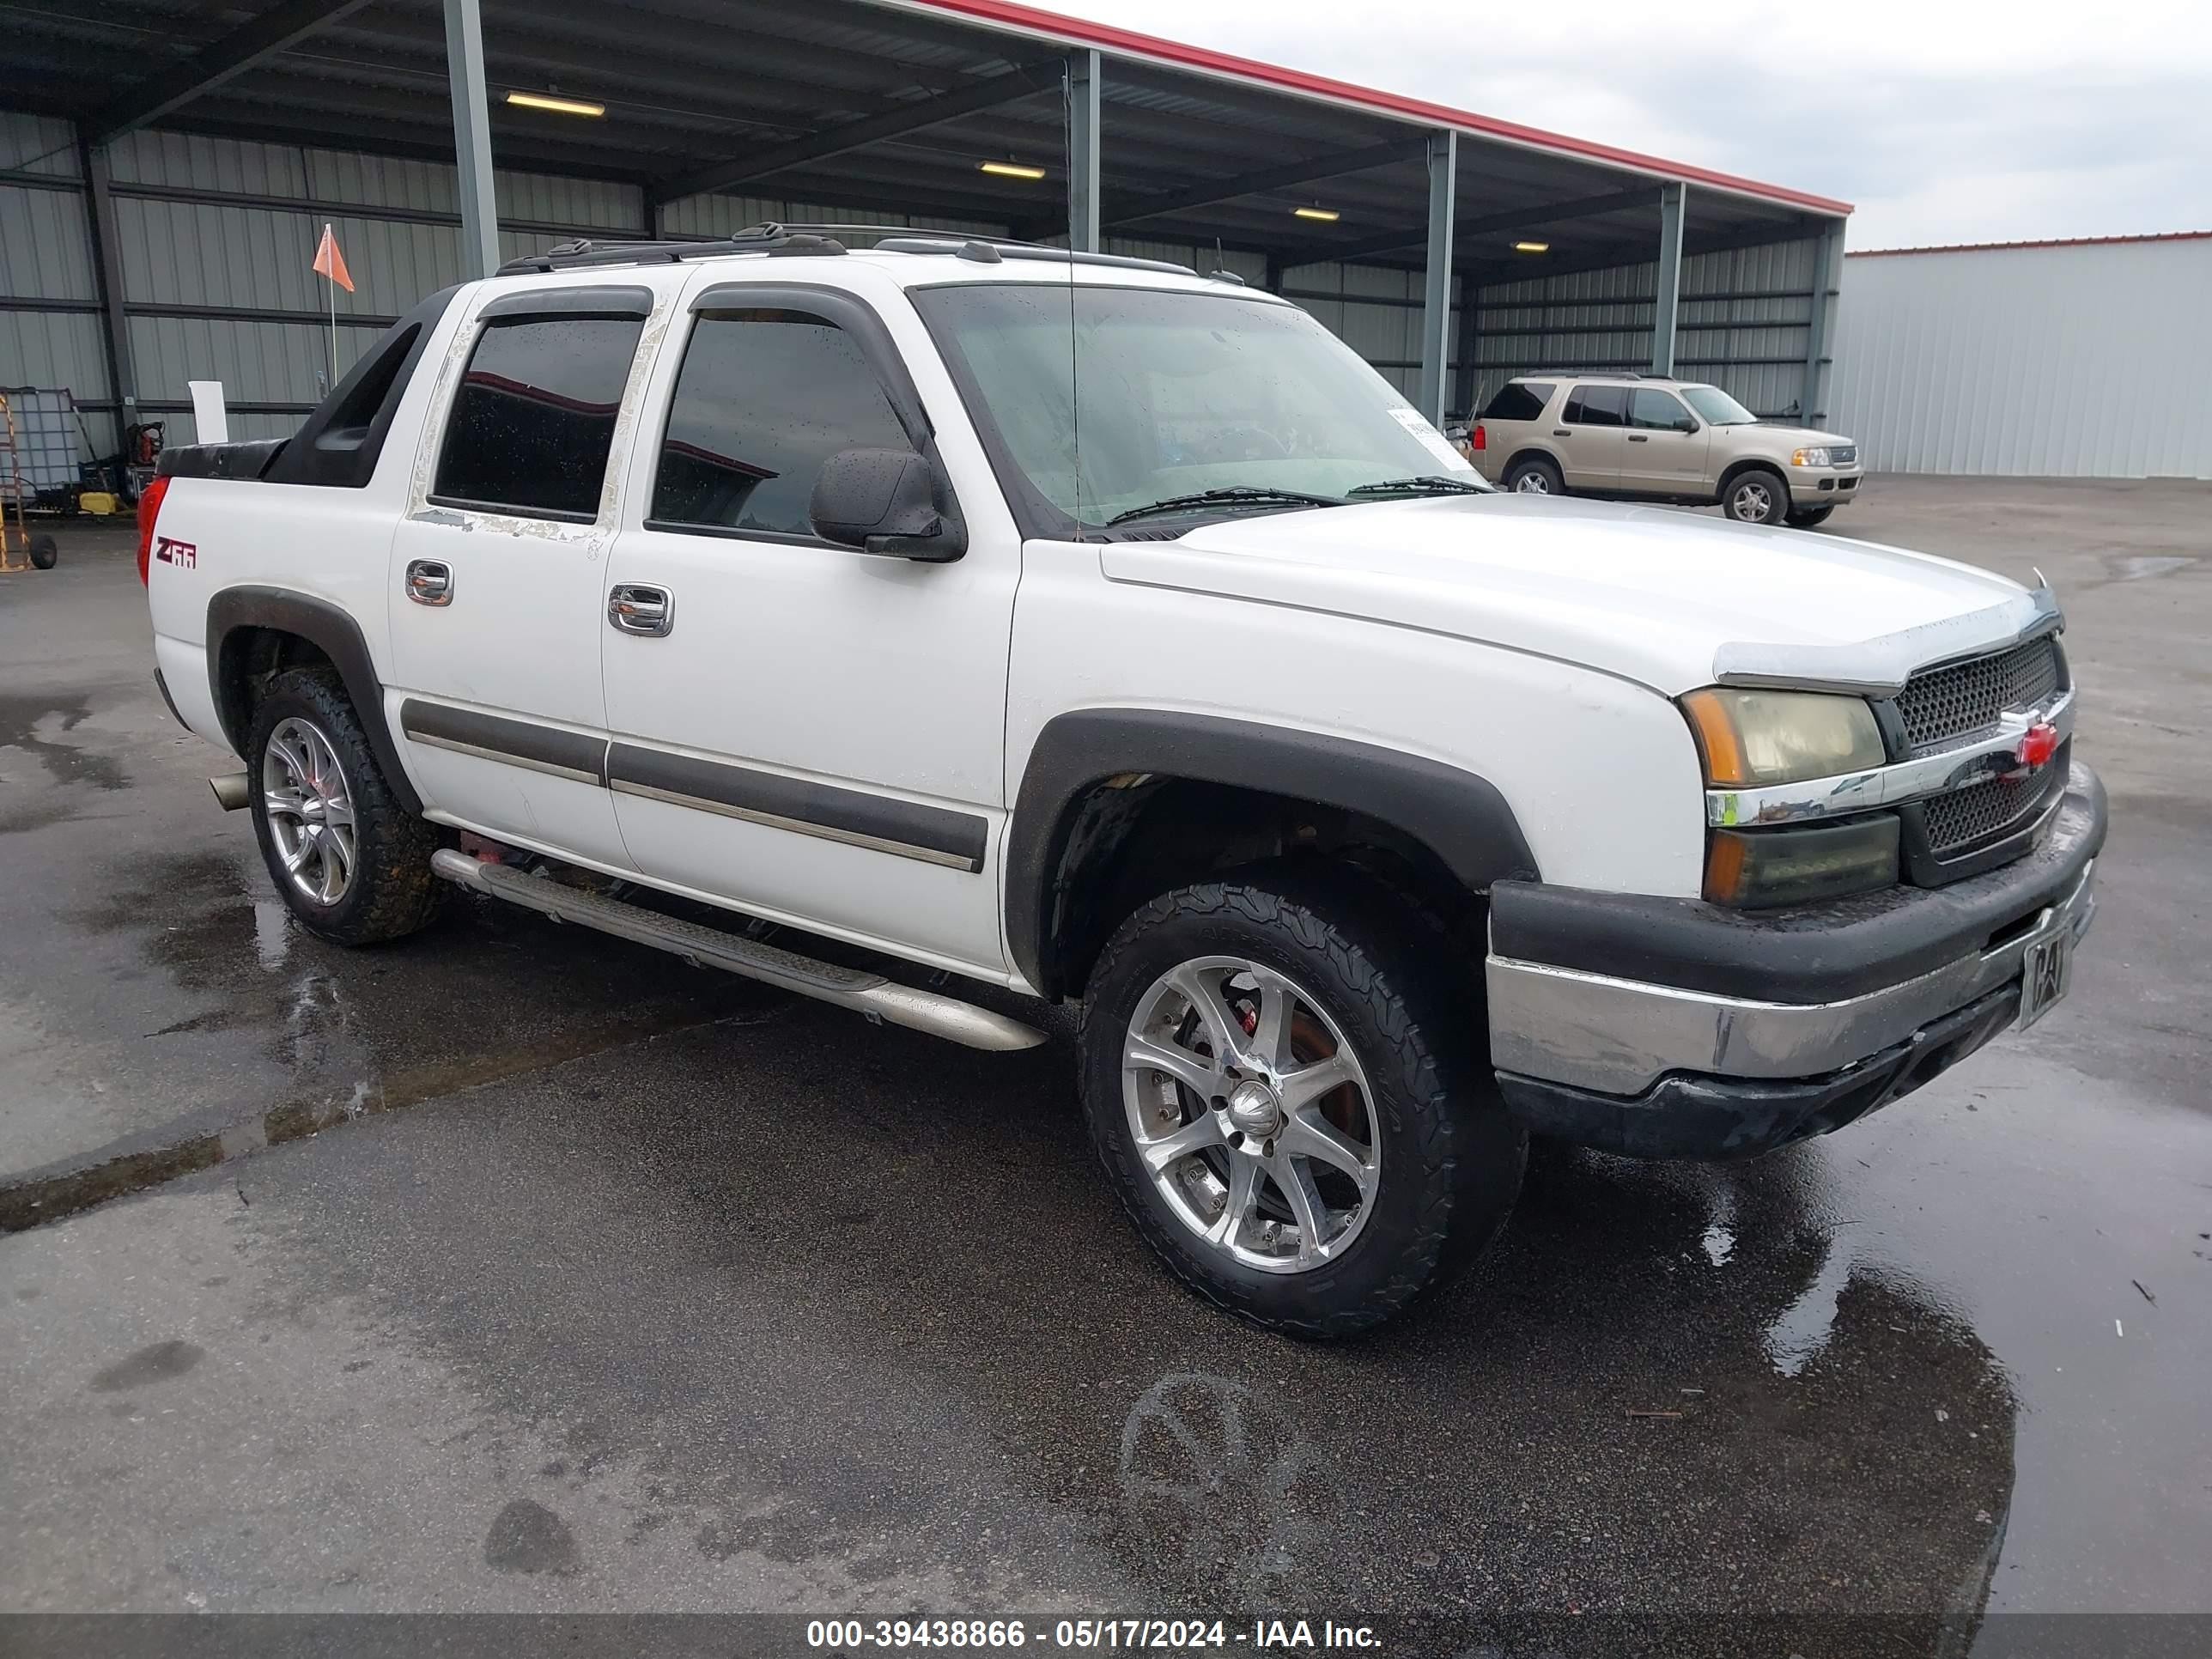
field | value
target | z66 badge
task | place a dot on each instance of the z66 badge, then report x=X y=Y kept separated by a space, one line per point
x=169 y=550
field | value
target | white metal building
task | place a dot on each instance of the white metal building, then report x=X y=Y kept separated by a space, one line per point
x=2055 y=360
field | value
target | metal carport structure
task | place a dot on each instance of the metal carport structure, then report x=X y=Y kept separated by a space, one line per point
x=714 y=112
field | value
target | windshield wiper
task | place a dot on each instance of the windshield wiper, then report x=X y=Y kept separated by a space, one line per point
x=1233 y=495
x=1429 y=483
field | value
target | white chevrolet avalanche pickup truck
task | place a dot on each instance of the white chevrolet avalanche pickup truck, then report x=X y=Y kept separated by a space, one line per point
x=877 y=620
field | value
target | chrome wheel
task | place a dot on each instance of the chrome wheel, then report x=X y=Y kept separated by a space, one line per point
x=1251 y=1115
x=1532 y=483
x=1753 y=501
x=309 y=809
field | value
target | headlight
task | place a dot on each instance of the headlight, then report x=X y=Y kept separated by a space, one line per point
x=1753 y=738
x=1816 y=456
x=1750 y=739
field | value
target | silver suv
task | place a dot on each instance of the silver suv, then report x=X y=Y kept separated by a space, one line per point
x=1640 y=437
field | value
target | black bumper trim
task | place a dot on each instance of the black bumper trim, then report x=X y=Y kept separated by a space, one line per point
x=162 y=685
x=1809 y=953
x=1694 y=1115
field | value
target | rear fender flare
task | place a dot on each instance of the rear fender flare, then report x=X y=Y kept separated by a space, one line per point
x=331 y=631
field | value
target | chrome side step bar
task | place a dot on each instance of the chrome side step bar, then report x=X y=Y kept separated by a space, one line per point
x=709 y=947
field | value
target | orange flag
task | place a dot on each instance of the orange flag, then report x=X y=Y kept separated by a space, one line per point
x=330 y=263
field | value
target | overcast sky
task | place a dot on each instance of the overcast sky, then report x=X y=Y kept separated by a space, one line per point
x=1941 y=120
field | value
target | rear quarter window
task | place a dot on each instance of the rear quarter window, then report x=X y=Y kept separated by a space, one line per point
x=534 y=418
x=1519 y=400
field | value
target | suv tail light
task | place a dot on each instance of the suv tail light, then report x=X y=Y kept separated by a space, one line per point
x=149 y=509
x=1480 y=439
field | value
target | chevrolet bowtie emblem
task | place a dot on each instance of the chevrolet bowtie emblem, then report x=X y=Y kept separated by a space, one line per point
x=2035 y=748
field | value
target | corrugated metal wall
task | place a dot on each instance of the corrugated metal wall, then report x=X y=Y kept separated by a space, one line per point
x=1374 y=309
x=1742 y=323
x=2093 y=360
x=50 y=327
x=215 y=236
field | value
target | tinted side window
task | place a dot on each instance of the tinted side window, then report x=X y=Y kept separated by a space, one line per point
x=1519 y=400
x=535 y=415
x=763 y=399
x=1656 y=411
x=1597 y=406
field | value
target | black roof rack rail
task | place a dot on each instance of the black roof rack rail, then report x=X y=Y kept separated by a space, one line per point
x=772 y=238
x=754 y=239
x=977 y=248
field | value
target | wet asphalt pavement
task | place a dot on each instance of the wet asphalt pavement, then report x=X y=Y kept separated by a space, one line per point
x=663 y=1293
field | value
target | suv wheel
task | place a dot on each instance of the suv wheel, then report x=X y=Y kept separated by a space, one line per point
x=1282 y=1097
x=350 y=862
x=1535 y=477
x=1756 y=496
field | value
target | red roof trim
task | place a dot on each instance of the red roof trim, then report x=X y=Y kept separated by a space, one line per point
x=1108 y=38
x=2056 y=241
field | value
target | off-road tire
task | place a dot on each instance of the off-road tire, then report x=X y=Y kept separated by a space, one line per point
x=391 y=892
x=1735 y=499
x=1804 y=518
x=1538 y=468
x=1451 y=1157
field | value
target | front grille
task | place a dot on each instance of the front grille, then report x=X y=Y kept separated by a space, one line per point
x=1941 y=706
x=1985 y=811
x=1843 y=454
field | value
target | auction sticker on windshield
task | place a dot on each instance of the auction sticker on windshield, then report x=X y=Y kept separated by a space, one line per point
x=1432 y=439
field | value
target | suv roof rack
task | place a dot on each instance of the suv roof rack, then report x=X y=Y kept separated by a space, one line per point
x=1590 y=375
x=772 y=238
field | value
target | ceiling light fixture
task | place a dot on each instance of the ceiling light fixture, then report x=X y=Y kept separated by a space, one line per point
x=1010 y=170
x=1323 y=216
x=558 y=106
x=1532 y=247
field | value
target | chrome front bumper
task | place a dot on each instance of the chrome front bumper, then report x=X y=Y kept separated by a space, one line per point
x=1618 y=1036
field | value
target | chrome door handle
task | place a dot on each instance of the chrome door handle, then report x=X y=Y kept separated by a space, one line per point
x=639 y=608
x=429 y=581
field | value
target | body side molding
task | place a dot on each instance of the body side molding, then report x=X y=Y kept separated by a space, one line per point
x=1458 y=815
x=551 y=749
x=883 y=823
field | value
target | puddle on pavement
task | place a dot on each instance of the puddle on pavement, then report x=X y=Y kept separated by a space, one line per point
x=1602 y=1419
x=36 y=723
x=327 y=1036
x=2144 y=567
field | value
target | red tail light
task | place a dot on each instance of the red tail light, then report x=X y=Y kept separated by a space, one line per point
x=149 y=508
x=1481 y=441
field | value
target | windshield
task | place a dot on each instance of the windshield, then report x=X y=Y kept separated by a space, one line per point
x=1179 y=394
x=1718 y=408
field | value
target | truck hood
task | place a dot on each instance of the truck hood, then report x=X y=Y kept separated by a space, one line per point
x=1653 y=594
x=1807 y=435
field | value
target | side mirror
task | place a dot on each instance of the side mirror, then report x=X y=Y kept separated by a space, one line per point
x=889 y=501
x=1688 y=423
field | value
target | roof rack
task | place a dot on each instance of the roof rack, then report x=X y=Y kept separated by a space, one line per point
x=1589 y=374
x=772 y=238
x=989 y=250
x=754 y=239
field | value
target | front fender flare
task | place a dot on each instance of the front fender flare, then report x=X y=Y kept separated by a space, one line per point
x=1457 y=815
